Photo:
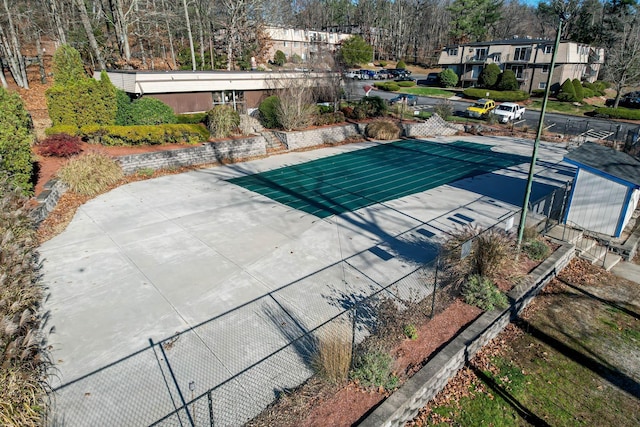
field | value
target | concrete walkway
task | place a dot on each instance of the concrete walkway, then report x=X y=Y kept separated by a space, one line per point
x=627 y=270
x=231 y=282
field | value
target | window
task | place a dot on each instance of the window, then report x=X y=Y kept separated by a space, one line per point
x=481 y=52
x=518 y=70
x=285 y=44
x=542 y=85
x=522 y=54
x=545 y=69
x=295 y=44
x=452 y=51
x=547 y=49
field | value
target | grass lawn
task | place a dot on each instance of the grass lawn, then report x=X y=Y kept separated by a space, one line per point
x=571 y=360
x=562 y=107
x=429 y=91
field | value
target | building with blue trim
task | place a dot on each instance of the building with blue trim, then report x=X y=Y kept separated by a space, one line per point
x=605 y=191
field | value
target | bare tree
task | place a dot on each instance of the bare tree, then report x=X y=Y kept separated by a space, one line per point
x=622 y=65
x=86 y=23
x=10 y=49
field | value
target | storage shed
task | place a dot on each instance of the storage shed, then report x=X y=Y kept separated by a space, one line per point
x=606 y=189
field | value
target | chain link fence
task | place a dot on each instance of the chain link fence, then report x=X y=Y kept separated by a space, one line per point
x=225 y=371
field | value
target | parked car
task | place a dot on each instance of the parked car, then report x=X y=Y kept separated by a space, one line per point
x=508 y=111
x=405 y=78
x=404 y=98
x=481 y=108
x=398 y=72
x=368 y=74
x=433 y=79
x=354 y=75
x=382 y=74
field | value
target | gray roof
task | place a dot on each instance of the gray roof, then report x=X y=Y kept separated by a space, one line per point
x=608 y=160
x=514 y=41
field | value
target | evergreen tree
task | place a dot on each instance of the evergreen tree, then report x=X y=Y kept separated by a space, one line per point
x=67 y=66
x=355 y=50
x=567 y=92
x=489 y=76
x=15 y=140
x=577 y=88
x=507 y=81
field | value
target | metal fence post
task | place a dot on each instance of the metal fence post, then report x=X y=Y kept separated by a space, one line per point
x=210 y=401
x=435 y=287
x=175 y=381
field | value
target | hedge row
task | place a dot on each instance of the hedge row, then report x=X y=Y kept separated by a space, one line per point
x=328 y=118
x=618 y=113
x=137 y=135
x=496 y=95
x=387 y=86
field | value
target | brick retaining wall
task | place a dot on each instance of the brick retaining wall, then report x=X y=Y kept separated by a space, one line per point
x=404 y=404
x=209 y=152
x=48 y=199
x=315 y=137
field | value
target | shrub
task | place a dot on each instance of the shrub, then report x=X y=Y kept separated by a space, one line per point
x=373 y=369
x=123 y=104
x=493 y=248
x=481 y=292
x=329 y=118
x=84 y=103
x=332 y=359
x=222 y=120
x=269 y=112
x=15 y=140
x=373 y=106
x=383 y=129
x=22 y=355
x=588 y=93
x=448 y=78
x=91 y=173
x=387 y=86
x=67 y=66
x=60 y=145
x=279 y=58
x=497 y=95
x=567 y=92
x=577 y=88
x=410 y=331
x=444 y=109
x=507 y=81
x=68 y=129
x=538 y=93
x=618 y=113
x=296 y=59
x=150 y=111
x=489 y=76
x=536 y=249
x=145 y=135
x=191 y=119
x=401 y=65
x=383 y=63
x=406 y=84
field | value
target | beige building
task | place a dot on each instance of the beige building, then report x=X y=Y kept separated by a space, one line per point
x=528 y=58
x=309 y=45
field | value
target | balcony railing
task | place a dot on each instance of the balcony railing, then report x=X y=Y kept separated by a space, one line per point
x=476 y=58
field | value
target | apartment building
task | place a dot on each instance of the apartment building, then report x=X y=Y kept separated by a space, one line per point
x=309 y=45
x=528 y=58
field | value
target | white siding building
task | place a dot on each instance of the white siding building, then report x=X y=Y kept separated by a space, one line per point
x=606 y=189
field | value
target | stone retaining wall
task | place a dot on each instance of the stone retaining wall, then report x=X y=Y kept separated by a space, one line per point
x=404 y=404
x=47 y=200
x=315 y=137
x=433 y=126
x=209 y=152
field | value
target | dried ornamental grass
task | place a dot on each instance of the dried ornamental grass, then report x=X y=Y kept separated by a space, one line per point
x=383 y=130
x=22 y=358
x=90 y=173
x=333 y=357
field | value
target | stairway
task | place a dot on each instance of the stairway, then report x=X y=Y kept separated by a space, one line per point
x=274 y=145
x=586 y=248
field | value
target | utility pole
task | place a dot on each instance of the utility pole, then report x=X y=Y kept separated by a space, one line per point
x=564 y=16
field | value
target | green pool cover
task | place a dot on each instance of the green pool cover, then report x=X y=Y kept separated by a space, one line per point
x=350 y=181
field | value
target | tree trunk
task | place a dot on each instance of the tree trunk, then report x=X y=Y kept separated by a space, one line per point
x=57 y=22
x=200 y=36
x=193 y=53
x=169 y=35
x=13 y=52
x=43 y=74
x=121 y=29
x=3 y=79
x=86 y=23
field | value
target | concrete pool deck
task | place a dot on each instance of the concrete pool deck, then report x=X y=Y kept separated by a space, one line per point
x=158 y=257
